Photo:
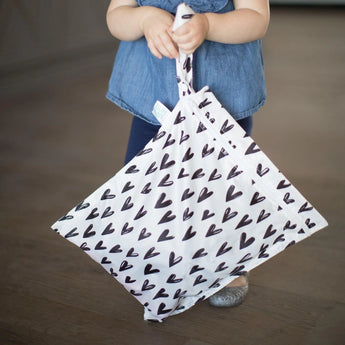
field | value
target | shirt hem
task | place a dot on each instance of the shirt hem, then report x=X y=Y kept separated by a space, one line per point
x=125 y=106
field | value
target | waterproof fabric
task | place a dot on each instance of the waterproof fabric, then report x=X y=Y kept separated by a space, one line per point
x=198 y=206
x=241 y=88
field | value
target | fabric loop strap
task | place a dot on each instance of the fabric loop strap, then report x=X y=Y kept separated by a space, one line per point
x=184 y=63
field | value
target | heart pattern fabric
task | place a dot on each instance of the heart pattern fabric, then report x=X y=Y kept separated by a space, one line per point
x=200 y=205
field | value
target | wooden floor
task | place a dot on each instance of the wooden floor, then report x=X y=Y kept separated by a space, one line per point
x=59 y=142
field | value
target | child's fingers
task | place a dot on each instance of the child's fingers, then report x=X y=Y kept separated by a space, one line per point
x=169 y=46
x=154 y=50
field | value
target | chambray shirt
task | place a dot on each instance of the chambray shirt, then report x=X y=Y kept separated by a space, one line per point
x=234 y=72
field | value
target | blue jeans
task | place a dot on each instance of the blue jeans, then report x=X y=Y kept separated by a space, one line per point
x=142 y=132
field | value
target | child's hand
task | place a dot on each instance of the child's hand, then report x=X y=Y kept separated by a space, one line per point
x=155 y=25
x=192 y=34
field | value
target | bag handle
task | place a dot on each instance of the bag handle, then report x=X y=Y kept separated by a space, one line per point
x=184 y=63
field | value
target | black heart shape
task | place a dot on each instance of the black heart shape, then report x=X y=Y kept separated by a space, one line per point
x=88 y=232
x=149 y=270
x=234 y=172
x=161 y=294
x=158 y=136
x=161 y=203
x=144 y=234
x=305 y=208
x=187 y=194
x=196 y=268
x=147 y=286
x=225 y=128
x=201 y=128
x=83 y=246
x=105 y=261
x=204 y=103
x=253 y=148
x=244 y=222
x=165 y=181
x=150 y=253
x=107 y=212
x=199 y=253
x=82 y=206
x=151 y=169
x=112 y=272
x=165 y=163
x=126 y=229
x=287 y=199
x=213 y=231
x=164 y=236
x=230 y=195
x=132 y=170
x=169 y=141
x=256 y=198
x=228 y=214
x=223 y=249
x=116 y=249
x=263 y=254
x=204 y=194
x=93 y=214
x=283 y=184
x=237 y=271
x=174 y=261
x=188 y=155
x=183 y=137
x=222 y=153
x=262 y=216
x=125 y=266
x=146 y=189
x=132 y=254
x=182 y=174
x=289 y=226
x=143 y=152
x=161 y=309
x=214 y=176
x=206 y=151
x=221 y=267
x=179 y=293
x=198 y=174
x=189 y=234
x=129 y=280
x=247 y=257
x=141 y=213
x=290 y=244
x=215 y=284
x=71 y=233
x=244 y=243
x=269 y=232
x=168 y=217
x=172 y=279
x=179 y=118
x=309 y=223
x=99 y=246
x=207 y=214
x=260 y=171
x=127 y=187
x=127 y=204
x=199 y=279
x=107 y=195
x=187 y=215
x=280 y=238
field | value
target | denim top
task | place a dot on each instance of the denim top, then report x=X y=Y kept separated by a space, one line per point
x=234 y=72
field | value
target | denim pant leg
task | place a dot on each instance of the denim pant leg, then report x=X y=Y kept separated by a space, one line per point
x=142 y=132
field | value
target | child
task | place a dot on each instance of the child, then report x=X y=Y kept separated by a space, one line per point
x=224 y=37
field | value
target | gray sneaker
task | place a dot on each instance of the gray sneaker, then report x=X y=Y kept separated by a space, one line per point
x=230 y=296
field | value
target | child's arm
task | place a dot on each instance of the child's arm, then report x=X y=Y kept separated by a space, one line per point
x=248 y=22
x=128 y=22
